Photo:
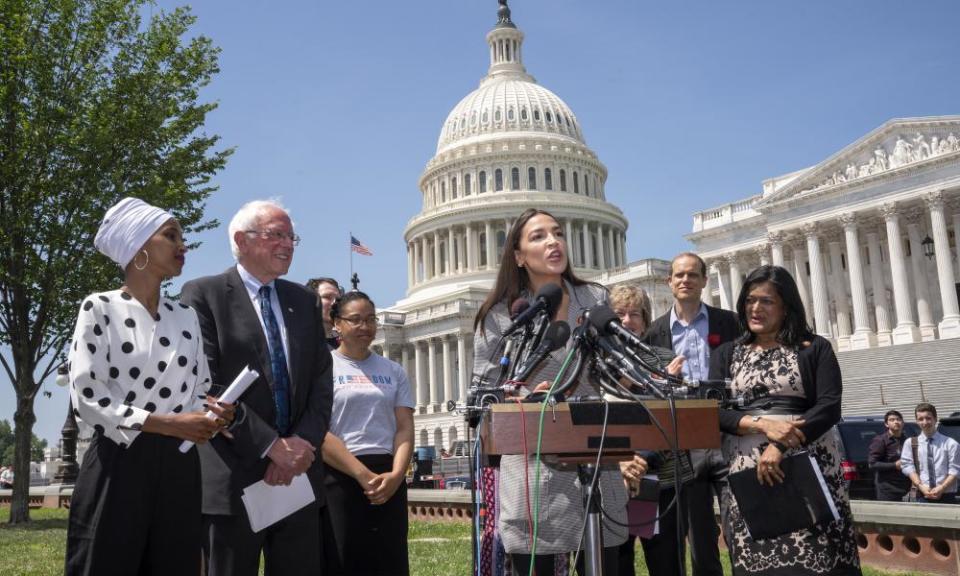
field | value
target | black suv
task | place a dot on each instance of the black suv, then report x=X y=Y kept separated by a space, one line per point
x=854 y=434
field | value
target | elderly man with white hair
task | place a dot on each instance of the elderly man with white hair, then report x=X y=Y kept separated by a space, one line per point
x=251 y=317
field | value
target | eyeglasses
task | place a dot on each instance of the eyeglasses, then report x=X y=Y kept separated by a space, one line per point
x=357 y=321
x=761 y=302
x=276 y=236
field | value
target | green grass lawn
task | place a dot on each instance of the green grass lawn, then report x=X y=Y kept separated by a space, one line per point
x=436 y=548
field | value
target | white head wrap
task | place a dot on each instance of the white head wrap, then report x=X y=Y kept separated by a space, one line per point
x=126 y=227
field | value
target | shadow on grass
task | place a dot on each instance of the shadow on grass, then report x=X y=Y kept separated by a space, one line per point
x=38 y=525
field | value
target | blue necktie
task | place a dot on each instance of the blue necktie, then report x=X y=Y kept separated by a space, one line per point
x=278 y=362
x=931 y=471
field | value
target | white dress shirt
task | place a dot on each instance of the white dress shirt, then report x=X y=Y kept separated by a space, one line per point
x=946 y=459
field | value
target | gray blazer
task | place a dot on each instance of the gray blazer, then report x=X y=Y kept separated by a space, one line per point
x=561 y=512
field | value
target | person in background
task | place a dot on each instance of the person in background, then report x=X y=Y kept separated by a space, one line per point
x=535 y=254
x=367 y=450
x=632 y=306
x=250 y=317
x=797 y=377
x=138 y=377
x=693 y=330
x=931 y=460
x=884 y=459
x=328 y=290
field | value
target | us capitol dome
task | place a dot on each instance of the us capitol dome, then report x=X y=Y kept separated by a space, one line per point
x=509 y=145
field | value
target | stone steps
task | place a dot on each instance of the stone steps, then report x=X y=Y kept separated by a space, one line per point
x=900 y=377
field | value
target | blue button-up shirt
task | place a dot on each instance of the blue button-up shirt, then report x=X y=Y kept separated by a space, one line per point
x=946 y=459
x=690 y=341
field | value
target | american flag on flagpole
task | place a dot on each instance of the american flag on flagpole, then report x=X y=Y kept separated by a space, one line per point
x=359 y=247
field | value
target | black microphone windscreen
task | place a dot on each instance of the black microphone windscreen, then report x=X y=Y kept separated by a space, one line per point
x=552 y=295
x=600 y=317
x=518 y=307
x=557 y=335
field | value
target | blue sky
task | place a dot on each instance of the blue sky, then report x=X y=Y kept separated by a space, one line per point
x=335 y=107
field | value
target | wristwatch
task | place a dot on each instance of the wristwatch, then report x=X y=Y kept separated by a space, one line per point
x=756 y=418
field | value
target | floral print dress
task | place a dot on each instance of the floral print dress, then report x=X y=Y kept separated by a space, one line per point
x=823 y=549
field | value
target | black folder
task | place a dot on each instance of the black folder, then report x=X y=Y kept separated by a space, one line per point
x=799 y=502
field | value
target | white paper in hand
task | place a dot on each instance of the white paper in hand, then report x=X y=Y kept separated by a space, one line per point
x=244 y=379
x=267 y=505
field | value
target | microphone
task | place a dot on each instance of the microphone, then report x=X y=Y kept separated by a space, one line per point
x=547 y=300
x=519 y=306
x=555 y=337
x=605 y=321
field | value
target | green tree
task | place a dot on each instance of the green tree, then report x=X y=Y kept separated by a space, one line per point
x=8 y=448
x=95 y=104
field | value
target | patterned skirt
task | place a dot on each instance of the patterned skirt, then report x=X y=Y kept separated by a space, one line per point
x=824 y=549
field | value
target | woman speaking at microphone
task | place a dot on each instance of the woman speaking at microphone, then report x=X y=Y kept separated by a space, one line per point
x=535 y=255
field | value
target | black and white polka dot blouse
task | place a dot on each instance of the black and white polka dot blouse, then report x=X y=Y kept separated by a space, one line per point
x=125 y=364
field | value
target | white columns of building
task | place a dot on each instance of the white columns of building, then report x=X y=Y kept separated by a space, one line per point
x=451 y=253
x=776 y=248
x=818 y=282
x=463 y=368
x=490 y=243
x=956 y=236
x=568 y=234
x=881 y=305
x=906 y=331
x=601 y=257
x=423 y=392
x=800 y=276
x=717 y=269
x=587 y=251
x=437 y=260
x=471 y=249
x=736 y=280
x=447 y=360
x=410 y=278
x=928 y=328
x=432 y=372
x=762 y=251
x=863 y=336
x=950 y=325
x=839 y=290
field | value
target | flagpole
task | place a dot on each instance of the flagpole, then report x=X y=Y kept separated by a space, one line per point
x=350 y=248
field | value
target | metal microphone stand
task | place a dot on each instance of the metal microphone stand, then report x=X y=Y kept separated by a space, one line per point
x=593 y=540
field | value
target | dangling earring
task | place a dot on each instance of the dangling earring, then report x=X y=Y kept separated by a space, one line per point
x=144 y=264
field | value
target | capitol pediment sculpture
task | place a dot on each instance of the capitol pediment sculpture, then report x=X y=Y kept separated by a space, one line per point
x=903 y=151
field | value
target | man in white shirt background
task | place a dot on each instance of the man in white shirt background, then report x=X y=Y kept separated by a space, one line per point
x=931 y=460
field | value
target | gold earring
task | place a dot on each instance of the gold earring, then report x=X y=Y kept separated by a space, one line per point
x=147 y=262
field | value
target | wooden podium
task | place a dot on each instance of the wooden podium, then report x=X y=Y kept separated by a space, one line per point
x=572 y=430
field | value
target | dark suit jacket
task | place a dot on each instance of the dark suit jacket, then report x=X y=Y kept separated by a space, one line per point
x=721 y=322
x=233 y=338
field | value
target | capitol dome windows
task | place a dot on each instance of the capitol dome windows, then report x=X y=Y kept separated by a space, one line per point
x=563 y=180
x=576 y=183
x=443 y=190
x=532 y=178
x=510 y=115
x=482 y=182
x=523 y=114
x=536 y=115
x=498 y=180
x=549 y=117
x=514 y=178
x=466 y=184
x=498 y=116
x=453 y=187
x=547 y=178
x=586 y=185
x=473 y=118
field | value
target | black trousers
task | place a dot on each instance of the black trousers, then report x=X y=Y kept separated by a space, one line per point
x=361 y=539
x=626 y=557
x=135 y=510
x=545 y=564
x=291 y=547
x=704 y=532
x=662 y=553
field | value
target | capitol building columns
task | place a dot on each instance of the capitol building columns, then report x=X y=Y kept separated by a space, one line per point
x=863 y=336
x=950 y=325
x=906 y=331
